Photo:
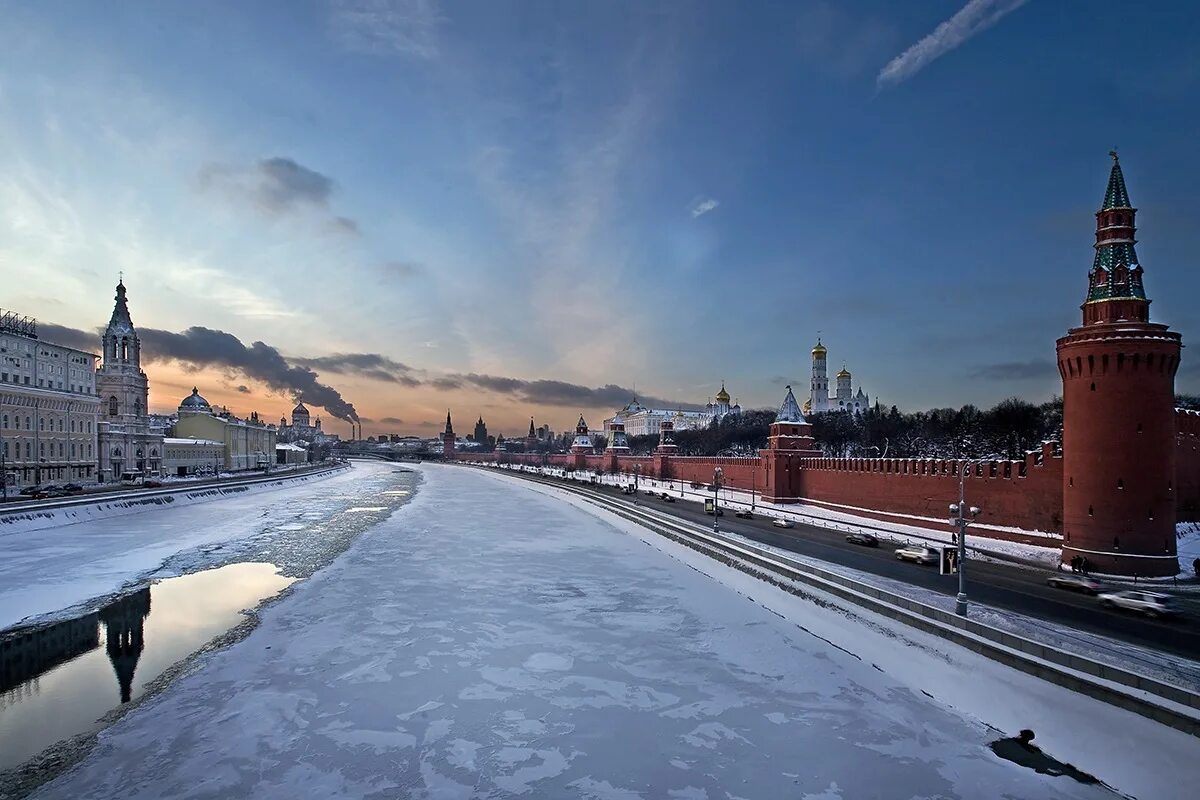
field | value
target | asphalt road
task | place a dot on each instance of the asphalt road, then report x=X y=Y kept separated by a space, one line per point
x=1004 y=586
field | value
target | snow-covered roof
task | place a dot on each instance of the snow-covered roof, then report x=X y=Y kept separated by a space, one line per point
x=288 y=446
x=789 y=410
x=175 y=441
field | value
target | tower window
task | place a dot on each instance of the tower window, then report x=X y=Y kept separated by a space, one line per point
x=1093 y=387
x=1139 y=427
x=1120 y=483
x=112 y=406
x=1091 y=513
x=1071 y=481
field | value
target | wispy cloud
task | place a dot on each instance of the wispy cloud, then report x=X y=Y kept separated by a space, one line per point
x=387 y=27
x=702 y=205
x=972 y=19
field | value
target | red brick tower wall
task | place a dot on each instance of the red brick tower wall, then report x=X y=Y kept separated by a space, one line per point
x=1119 y=422
x=1187 y=466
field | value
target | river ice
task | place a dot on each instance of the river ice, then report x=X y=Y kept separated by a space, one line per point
x=488 y=640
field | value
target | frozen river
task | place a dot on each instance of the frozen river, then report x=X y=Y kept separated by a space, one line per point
x=487 y=640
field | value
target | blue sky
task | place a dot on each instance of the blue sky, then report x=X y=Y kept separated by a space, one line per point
x=659 y=195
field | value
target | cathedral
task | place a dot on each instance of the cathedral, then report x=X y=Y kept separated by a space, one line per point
x=845 y=398
x=303 y=429
x=126 y=440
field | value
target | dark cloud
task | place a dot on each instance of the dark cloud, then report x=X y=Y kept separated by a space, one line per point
x=369 y=365
x=243 y=388
x=200 y=347
x=1035 y=369
x=561 y=393
x=403 y=269
x=277 y=186
x=446 y=384
x=392 y=421
x=70 y=337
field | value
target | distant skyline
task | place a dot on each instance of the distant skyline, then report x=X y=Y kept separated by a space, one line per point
x=529 y=208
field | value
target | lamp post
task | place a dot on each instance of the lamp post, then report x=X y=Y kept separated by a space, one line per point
x=717 y=474
x=637 y=470
x=962 y=516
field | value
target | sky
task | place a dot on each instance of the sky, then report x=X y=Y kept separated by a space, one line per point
x=515 y=209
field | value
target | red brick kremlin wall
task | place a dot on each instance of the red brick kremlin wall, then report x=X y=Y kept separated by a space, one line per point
x=1019 y=494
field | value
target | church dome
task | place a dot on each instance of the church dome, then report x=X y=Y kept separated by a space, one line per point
x=723 y=396
x=819 y=351
x=194 y=402
x=845 y=373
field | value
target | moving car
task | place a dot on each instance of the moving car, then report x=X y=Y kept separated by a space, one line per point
x=918 y=554
x=668 y=498
x=1074 y=583
x=72 y=488
x=1152 y=604
x=152 y=483
x=780 y=522
x=865 y=539
x=628 y=489
x=744 y=513
x=34 y=492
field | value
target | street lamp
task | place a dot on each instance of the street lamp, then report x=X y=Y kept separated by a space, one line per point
x=962 y=515
x=637 y=470
x=717 y=474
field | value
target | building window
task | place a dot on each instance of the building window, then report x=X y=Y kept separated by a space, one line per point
x=112 y=405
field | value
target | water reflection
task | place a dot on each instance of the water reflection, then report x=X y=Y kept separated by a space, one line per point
x=57 y=681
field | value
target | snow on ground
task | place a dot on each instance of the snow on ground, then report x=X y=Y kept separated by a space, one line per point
x=1188 y=538
x=50 y=570
x=494 y=638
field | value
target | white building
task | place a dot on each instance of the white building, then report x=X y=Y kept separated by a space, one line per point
x=642 y=421
x=126 y=440
x=48 y=408
x=246 y=443
x=845 y=399
x=303 y=428
x=190 y=456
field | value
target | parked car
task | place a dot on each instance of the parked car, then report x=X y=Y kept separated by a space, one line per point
x=744 y=513
x=72 y=488
x=1152 y=604
x=628 y=489
x=918 y=554
x=780 y=522
x=865 y=539
x=152 y=483
x=34 y=492
x=1074 y=583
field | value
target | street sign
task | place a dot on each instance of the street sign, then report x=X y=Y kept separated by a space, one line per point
x=948 y=563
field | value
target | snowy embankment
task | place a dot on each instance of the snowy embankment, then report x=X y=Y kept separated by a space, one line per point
x=52 y=515
x=1046 y=555
x=495 y=637
x=47 y=572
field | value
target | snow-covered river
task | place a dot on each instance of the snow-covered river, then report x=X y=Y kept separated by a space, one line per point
x=489 y=640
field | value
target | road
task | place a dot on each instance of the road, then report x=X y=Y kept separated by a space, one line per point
x=1013 y=588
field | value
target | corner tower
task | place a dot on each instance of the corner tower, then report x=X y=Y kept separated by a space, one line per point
x=1118 y=372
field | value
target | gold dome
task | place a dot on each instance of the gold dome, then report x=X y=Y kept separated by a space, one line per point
x=808 y=406
x=845 y=373
x=819 y=351
x=723 y=396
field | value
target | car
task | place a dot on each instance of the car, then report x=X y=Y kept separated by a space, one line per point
x=668 y=498
x=34 y=492
x=697 y=485
x=1074 y=583
x=918 y=554
x=628 y=489
x=744 y=513
x=1152 y=604
x=72 y=488
x=780 y=522
x=152 y=483
x=865 y=539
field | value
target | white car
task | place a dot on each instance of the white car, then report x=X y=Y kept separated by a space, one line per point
x=918 y=554
x=1152 y=604
x=780 y=522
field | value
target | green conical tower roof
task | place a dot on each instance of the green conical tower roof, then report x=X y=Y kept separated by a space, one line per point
x=1117 y=195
